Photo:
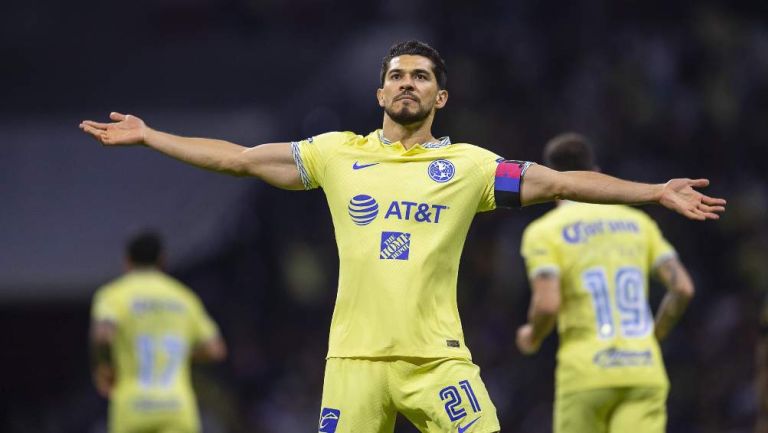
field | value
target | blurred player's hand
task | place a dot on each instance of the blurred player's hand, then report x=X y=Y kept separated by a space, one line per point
x=104 y=379
x=680 y=196
x=124 y=131
x=525 y=340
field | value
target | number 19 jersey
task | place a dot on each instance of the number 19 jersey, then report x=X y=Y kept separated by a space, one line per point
x=603 y=255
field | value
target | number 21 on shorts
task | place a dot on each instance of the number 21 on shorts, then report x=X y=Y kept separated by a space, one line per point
x=453 y=400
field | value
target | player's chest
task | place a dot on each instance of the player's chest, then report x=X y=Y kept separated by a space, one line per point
x=424 y=189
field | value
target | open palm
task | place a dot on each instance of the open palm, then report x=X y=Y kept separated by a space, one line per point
x=124 y=131
x=680 y=196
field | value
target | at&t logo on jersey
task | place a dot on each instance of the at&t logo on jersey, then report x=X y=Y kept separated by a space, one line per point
x=329 y=419
x=395 y=246
x=363 y=209
x=441 y=170
x=419 y=212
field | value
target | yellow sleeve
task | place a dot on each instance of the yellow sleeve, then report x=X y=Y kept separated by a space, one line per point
x=203 y=327
x=311 y=156
x=106 y=306
x=488 y=163
x=659 y=248
x=539 y=251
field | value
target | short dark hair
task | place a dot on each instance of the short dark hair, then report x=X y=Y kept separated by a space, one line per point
x=144 y=248
x=417 y=48
x=569 y=151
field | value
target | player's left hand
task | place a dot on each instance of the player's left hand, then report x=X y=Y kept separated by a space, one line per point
x=680 y=196
x=524 y=340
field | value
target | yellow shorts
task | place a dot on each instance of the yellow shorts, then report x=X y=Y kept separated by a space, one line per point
x=131 y=414
x=614 y=410
x=436 y=395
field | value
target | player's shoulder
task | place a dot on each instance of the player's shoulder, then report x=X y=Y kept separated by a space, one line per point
x=175 y=286
x=113 y=287
x=479 y=159
x=112 y=293
x=473 y=151
x=339 y=138
x=543 y=225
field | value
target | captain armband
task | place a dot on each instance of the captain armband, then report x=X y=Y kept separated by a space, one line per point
x=508 y=182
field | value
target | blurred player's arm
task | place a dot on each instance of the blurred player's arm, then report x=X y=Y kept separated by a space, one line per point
x=543 y=184
x=271 y=162
x=673 y=275
x=211 y=350
x=542 y=313
x=103 y=369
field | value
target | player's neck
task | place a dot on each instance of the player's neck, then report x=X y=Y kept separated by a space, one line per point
x=408 y=135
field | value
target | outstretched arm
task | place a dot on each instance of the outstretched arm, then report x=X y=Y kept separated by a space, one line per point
x=272 y=162
x=542 y=313
x=673 y=275
x=542 y=184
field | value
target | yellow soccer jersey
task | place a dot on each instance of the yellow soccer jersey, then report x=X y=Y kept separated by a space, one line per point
x=158 y=322
x=603 y=255
x=401 y=218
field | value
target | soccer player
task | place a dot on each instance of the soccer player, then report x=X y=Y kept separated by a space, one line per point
x=401 y=202
x=145 y=329
x=588 y=267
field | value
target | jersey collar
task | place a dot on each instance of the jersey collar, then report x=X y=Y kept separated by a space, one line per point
x=439 y=143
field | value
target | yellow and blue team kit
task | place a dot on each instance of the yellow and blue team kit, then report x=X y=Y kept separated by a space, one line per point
x=401 y=217
x=158 y=322
x=603 y=255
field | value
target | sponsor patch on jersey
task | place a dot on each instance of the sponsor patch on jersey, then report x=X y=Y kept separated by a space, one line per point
x=395 y=246
x=363 y=209
x=452 y=343
x=582 y=231
x=329 y=419
x=441 y=170
x=411 y=210
x=611 y=358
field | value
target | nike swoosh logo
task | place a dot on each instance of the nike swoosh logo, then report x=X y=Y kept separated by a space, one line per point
x=463 y=429
x=357 y=166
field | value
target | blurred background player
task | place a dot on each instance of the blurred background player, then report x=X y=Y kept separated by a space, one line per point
x=146 y=328
x=588 y=267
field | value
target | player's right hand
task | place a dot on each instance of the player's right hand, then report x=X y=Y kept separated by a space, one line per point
x=126 y=130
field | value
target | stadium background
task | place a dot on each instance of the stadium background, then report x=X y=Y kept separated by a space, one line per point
x=665 y=89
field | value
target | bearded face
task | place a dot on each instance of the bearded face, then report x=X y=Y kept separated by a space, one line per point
x=407 y=109
x=410 y=93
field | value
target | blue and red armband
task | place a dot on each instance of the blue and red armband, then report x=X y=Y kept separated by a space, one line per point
x=509 y=179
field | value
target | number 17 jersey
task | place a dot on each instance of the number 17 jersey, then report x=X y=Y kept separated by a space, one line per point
x=603 y=255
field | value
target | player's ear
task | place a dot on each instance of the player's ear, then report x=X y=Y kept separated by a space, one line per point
x=441 y=99
x=380 y=97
